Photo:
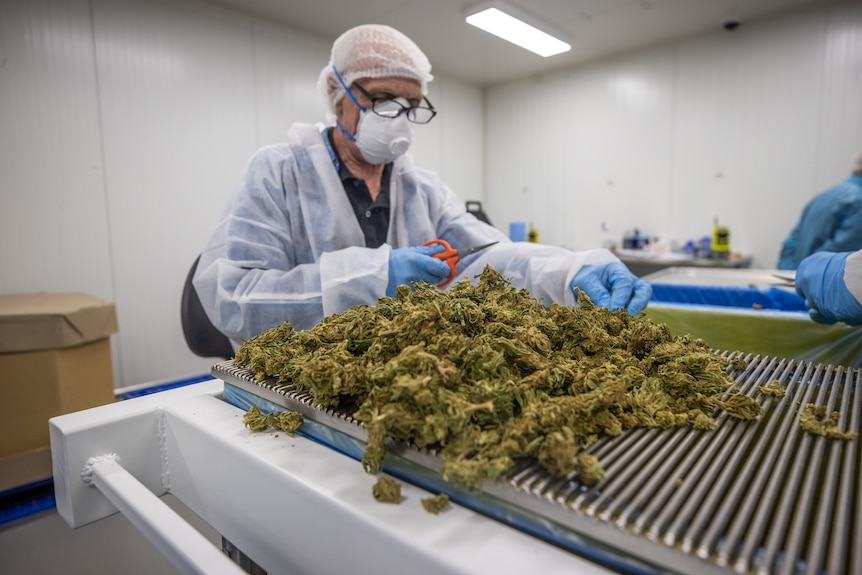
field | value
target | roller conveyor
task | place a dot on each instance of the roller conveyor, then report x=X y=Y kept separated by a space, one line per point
x=747 y=497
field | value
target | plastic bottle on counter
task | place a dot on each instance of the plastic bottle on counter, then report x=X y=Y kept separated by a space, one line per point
x=704 y=247
x=518 y=231
x=607 y=240
x=634 y=240
x=720 y=241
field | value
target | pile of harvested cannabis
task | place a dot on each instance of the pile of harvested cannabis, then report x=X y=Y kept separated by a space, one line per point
x=488 y=375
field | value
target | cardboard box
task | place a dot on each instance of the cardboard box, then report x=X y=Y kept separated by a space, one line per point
x=25 y=468
x=55 y=358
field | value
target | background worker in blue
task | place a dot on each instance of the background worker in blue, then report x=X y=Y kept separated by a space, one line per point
x=831 y=222
x=337 y=215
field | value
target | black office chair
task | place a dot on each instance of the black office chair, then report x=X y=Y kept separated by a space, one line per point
x=202 y=337
x=475 y=208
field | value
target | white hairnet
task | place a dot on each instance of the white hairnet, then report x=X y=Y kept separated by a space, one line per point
x=372 y=51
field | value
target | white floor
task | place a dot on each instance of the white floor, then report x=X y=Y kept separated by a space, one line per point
x=44 y=544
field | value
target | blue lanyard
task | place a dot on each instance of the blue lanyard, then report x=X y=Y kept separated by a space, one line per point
x=329 y=149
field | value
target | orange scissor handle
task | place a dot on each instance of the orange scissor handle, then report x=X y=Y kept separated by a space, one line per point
x=448 y=255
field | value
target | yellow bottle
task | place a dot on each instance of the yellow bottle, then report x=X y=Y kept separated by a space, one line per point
x=720 y=241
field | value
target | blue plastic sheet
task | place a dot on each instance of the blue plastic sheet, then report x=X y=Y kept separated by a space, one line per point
x=763 y=320
x=729 y=296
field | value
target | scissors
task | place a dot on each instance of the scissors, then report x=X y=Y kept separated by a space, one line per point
x=785 y=281
x=452 y=257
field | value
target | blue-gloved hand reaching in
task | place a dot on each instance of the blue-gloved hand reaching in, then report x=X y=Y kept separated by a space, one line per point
x=820 y=280
x=613 y=286
x=415 y=264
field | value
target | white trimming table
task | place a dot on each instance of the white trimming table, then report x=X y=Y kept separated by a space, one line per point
x=291 y=505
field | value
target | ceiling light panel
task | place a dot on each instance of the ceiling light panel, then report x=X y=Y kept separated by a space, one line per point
x=515 y=26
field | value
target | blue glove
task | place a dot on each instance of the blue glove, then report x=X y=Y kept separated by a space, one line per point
x=613 y=286
x=820 y=280
x=415 y=264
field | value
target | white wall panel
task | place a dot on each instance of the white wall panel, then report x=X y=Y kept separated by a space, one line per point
x=569 y=151
x=746 y=127
x=451 y=144
x=840 y=137
x=177 y=103
x=621 y=148
x=544 y=185
x=287 y=64
x=53 y=223
x=460 y=142
x=506 y=139
x=747 y=111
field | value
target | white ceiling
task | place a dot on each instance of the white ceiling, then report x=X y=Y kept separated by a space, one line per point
x=594 y=28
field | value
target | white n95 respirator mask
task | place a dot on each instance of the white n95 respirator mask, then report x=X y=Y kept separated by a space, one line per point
x=381 y=140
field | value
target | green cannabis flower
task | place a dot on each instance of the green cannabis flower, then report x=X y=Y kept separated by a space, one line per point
x=435 y=504
x=287 y=421
x=738 y=364
x=387 y=490
x=774 y=388
x=487 y=375
x=813 y=419
x=255 y=420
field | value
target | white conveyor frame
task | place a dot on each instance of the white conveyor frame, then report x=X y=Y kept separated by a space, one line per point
x=186 y=549
x=291 y=505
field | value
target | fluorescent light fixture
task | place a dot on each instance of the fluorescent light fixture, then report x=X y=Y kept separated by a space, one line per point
x=499 y=19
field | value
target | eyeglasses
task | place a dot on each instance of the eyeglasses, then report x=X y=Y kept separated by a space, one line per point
x=389 y=107
x=392 y=108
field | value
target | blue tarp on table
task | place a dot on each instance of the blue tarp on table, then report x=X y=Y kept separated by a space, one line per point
x=738 y=310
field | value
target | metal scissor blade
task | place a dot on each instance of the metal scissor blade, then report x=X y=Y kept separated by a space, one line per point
x=786 y=281
x=468 y=251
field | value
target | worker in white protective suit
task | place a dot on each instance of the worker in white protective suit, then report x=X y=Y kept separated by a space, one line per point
x=337 y=215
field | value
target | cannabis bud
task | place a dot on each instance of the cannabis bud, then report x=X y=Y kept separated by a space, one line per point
x=287 y=421
x=387 y=490
x=435 y=504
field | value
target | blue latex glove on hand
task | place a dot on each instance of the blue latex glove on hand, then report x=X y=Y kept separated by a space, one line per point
x=415 y=264
x=820 y=280
x=612 y=286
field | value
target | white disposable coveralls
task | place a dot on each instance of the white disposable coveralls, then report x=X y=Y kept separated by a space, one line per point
x=289 y=248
